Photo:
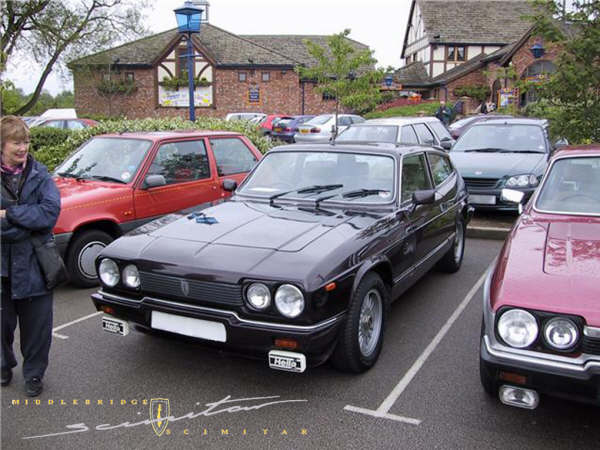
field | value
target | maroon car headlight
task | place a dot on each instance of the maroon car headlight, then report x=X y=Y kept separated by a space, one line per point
x=561 y=333
x=518 y=328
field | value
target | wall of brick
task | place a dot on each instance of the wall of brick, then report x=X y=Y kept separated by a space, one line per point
x=281 y=94
x=473 y=78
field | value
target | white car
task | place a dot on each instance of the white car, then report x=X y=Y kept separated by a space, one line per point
x=399 y=130
x=319 y=129
x=250 y=116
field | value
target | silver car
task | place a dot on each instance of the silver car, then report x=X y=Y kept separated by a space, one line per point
x=320 y=128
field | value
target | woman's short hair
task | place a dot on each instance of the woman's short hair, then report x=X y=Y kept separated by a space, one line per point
x=13 y=128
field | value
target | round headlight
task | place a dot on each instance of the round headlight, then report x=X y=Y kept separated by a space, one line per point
x=289 y=300
x=108 y=272
x=560 y=333
x=518 y=328
x=131 y=276
x=258 y=296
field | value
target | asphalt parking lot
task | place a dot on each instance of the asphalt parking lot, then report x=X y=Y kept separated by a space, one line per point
x=424 y=391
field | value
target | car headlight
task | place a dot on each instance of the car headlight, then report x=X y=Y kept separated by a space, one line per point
x=289 y=300
x=258 y=296
x=131 y=276
x=109 y=272
x=561 y=333
x=517 y=328
x=522 y=181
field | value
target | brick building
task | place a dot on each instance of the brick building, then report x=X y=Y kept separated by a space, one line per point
x=148 y=77
x=461 y=43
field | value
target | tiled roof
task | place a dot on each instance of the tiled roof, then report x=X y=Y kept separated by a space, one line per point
x=412 y=74
x=223 y=47
x=475 y=21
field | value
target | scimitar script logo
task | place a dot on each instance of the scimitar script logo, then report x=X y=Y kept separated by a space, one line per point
x=159 y=409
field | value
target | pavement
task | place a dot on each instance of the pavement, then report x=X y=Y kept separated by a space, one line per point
x=491 y=225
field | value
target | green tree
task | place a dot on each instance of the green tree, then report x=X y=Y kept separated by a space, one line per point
x=344 y=73
x=12 y=97
x=571 y=95
x=52 y=31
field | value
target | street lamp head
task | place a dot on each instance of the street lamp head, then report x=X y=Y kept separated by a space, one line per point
x=537 y=50
x=188 y=18
x=389 y=80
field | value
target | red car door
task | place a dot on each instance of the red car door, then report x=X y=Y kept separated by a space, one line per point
x=186 y=168
x=234 y=158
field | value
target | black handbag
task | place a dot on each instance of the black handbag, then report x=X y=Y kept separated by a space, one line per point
x=53 y=267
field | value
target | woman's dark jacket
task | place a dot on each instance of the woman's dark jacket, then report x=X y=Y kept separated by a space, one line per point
x=34 y=211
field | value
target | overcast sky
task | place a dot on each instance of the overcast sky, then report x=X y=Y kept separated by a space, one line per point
x=380 y=24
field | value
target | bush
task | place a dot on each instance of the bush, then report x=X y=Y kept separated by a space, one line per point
x=427 y=108
x=54 y=153
x=47 y=136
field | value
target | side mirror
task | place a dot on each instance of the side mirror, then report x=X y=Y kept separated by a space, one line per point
x=229 y=185
x=561 y=142
x=426 y=197
x=446 y=143
x=512 y=196
x=154 y=181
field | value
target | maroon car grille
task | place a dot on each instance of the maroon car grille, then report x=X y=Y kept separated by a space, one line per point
x=591 y=346
x=191 y=291
x=481 y=183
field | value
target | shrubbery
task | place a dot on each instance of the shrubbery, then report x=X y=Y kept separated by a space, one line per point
x=51 y=149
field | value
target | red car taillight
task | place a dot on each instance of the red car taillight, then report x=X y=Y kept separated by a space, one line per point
x=287 y=129
x=315 y=130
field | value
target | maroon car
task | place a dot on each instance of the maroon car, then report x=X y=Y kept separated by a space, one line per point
x=541 y=314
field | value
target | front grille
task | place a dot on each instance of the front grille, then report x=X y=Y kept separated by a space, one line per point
x=481 y=183
x=591 y=345
x=197 y=292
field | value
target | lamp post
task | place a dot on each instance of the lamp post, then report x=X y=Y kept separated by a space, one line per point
x=188 y=22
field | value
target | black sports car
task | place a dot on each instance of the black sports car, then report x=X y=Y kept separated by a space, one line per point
x=302 y=263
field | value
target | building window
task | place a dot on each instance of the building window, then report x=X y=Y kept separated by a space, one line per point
x=266 y=76
x=535 y=73
x=242 y=76
x=129 y=76
x=456 y=53
x=181 y=61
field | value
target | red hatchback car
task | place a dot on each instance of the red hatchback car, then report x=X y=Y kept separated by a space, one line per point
x=541 y=314
x=115 y=183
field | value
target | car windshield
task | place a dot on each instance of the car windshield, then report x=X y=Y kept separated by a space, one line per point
x=502 y=138
x=572 y=186
x=461 y=123
x=369 y=133
x=323 y=176
x=106 y=159
x=319 y=120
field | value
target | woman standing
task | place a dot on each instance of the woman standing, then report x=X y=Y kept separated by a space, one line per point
x=29 y=208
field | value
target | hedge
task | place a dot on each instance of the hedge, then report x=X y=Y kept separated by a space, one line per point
x=51 y=148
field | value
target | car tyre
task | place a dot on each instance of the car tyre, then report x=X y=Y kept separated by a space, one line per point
x=82 y=254
x=452 y=260
x=361 y=335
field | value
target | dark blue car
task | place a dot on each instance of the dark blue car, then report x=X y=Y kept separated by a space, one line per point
x=285 y=128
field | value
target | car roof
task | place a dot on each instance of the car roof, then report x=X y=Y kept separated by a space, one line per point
x=400 y=120
x=175 y=134
x=513 y=121
x=374 y=147
x=577 y=150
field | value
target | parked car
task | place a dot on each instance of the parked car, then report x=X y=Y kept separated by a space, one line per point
x=67 y=124
x=115 y=183
x=541 y=318
x=503 y=153
x=267 y=122
x=285 y=128
x=460 y=126
x=244 y=116
x=301 y=263
x=320 y=128
x=401 y=130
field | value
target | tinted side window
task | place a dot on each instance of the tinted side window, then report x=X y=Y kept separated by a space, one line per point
x=232 y=156
x=424 y=134
x=414 y=175
x=408 y=135
x=54 y=124
x=440 y=168
x=181 y=161
x=440 y=130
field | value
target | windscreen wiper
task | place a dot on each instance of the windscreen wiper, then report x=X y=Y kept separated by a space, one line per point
x=71 y=175
x=363 y=193
x=489 y=150
x=315 y=188
x=106 y=178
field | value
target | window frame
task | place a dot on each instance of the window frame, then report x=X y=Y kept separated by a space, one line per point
x=429 y=164
x=427 y=174
x=195 y=180
x=242 y=77
x=214 y=155
x=452 y=53
x=268 y=77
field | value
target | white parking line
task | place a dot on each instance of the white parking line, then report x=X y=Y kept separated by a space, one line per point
x=387 y=404
x=65 y=325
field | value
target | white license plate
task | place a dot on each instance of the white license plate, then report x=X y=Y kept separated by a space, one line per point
x=115 y=326
x=289 y=361
x=188 y=326
x=482 y=199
